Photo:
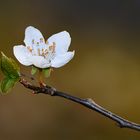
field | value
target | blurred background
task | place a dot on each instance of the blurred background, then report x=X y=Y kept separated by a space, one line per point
x=106 y=67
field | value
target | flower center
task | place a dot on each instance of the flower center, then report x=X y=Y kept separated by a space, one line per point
x=39 y=48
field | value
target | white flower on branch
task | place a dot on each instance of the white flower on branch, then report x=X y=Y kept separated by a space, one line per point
x=52 y=53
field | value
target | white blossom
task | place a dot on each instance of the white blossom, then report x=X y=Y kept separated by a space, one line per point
x=52 y=53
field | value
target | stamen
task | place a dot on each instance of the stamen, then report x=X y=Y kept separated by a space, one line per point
x=52 y=48
x=33 y=41
x=30 y=49
x=37 y=43
x=39 y=52
x=46 y=52
x=41 y=40
x=43 y=54
x=54 y=43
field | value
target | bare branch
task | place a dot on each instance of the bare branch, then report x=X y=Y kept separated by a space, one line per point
x=89 y=103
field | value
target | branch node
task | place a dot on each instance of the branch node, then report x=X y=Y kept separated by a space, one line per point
x=90 y=101
x=50 y=90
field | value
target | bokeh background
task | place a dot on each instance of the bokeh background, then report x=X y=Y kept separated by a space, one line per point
x=106 y=67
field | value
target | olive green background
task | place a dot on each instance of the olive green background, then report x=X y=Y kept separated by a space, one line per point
x=106 y=67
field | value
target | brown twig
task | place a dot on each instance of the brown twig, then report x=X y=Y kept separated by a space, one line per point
x=29 y=77
x=89 y=103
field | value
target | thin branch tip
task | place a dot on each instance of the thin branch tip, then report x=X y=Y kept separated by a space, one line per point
x=88 y=103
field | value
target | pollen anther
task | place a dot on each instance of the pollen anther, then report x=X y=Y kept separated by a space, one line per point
x=41 y=40
x=33 y=41
x=52 y=48
x=30 y=49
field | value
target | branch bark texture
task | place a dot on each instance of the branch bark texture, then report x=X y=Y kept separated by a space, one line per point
x=88 y=103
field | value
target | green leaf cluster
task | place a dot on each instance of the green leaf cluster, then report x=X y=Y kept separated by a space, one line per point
x=11 y=73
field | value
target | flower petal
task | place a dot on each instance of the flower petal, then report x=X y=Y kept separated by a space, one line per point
x=22 y=55
x=40 y=62
x=62 y=41
x=61 y=60
x=33 y=36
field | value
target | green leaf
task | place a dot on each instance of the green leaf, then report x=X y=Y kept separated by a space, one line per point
x=34 y=70
x=9 y=67
x=6 y=84
x=11 y=71
x=47 y=72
